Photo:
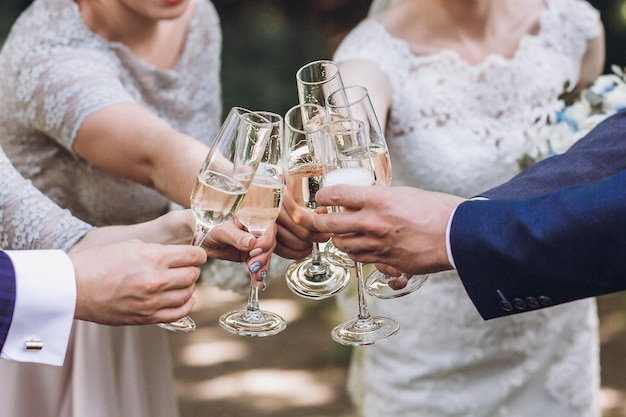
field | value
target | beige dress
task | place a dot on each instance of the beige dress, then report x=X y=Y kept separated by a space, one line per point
x=53 y=73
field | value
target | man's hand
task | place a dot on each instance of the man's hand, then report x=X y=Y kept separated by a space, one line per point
x=132 y=282
x=402 y=227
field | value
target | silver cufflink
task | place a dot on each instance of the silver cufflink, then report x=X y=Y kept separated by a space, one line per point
x=33 y=344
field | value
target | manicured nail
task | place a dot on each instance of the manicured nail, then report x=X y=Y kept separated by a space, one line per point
x=255 y=267
x=263 y=275
x=247 y=241
x=255 y=252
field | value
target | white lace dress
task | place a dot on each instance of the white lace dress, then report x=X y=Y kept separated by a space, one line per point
x=53 y=73
x=459 y=128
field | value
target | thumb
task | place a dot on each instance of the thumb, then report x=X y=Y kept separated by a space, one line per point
x=349 y=196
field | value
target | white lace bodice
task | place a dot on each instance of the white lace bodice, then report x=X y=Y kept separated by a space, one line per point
x=55 y=72
x=30 y=220
x=459 y=128
x=448 y=113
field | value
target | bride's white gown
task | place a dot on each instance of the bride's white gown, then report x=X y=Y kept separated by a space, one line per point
x=459 y=128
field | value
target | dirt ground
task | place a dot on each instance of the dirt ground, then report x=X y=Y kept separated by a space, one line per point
x=301 y=371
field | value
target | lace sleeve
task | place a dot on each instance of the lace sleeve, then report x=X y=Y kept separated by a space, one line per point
x=28 y=219
x=581 y=16
x=58 y=87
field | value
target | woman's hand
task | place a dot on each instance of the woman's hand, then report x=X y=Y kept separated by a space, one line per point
x=296 y=230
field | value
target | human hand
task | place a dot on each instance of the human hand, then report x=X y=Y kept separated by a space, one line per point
x=296 y=230
x=230 y=242
x=132 y=282
x=402 y=227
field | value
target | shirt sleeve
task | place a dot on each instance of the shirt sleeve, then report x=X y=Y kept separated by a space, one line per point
x=44 y=307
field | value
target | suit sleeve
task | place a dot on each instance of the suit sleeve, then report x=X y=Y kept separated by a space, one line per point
x=7 y=296
x=520 y=254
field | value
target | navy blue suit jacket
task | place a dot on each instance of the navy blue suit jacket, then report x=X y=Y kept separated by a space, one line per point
x=7 y=296
x=553 y=234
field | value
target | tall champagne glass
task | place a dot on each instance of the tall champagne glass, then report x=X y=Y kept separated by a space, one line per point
x=259 y=209
x=224 y=178
x=354 y=102
x=347 y=160
x=313 y=276
x=316 y=80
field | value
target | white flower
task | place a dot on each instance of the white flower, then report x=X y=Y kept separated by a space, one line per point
x=557 y=131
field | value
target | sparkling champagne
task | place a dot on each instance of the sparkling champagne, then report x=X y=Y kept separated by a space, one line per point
x=303 y=182
x=261 y=205
x=216 y=198
x=349 y=176
x=381 y=164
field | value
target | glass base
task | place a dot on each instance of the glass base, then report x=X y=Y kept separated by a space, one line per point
x=331 y=279
x=377 y=285
x=252 y=323
x=337 y=257
x=184 y=325
x=363 y=332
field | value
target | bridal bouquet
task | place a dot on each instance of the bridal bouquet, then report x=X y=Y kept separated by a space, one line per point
x=580 y=112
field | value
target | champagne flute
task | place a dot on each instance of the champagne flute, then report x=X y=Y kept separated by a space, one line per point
x=313 y=276
x=316 y=80
x=259 y=209
x=347 y=160
x=224 y=178
x=354 y=102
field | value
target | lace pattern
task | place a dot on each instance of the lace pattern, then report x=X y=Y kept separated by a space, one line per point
x=460 y=128
x=56 y=72
x=28 y=219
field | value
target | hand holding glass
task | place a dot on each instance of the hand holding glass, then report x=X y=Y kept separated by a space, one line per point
x=259 y=209
x=224 y=178
x=353 y=102
x=313 y=276
x=347 y=160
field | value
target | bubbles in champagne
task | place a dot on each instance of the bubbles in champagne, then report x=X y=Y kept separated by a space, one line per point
x=216 y=197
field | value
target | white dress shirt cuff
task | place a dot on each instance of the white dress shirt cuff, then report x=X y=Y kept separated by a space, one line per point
x=44 y=307
x=448 y=247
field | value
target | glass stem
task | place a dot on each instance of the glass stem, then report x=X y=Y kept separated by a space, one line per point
x=317 y=269
x=253 y=299
x=253 y=311
x=364 y=313
x=315 y=254
x=199 y=235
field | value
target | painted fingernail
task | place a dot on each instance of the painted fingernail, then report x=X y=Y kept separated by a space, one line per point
x=256 y=251
x=263 y=275
x=255 y=267
x=247 y=241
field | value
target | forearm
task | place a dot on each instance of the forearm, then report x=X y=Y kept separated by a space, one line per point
x=130 y=141
x=172 y=228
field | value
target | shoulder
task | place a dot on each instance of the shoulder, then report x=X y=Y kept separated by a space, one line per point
x=578 y=15
x=368 y=39
x=206 y=22
x=207 y=10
